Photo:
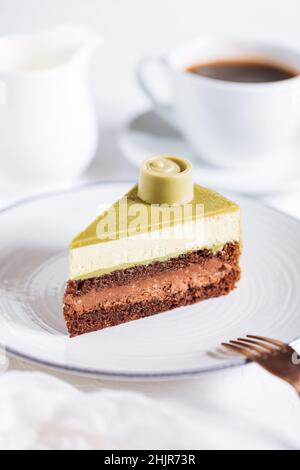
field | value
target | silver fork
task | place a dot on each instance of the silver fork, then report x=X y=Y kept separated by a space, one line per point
x=276 y=357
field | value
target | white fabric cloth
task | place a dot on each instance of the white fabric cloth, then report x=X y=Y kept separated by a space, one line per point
x=42 y=412
x=240 y=409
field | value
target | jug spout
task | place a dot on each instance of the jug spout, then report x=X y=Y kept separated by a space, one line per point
x=81 y=42
x=46 y=49
x=78 y=43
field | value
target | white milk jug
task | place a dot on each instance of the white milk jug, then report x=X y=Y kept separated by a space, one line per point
x=48 y=124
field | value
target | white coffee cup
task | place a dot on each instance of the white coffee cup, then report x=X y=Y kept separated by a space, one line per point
x=229 y=124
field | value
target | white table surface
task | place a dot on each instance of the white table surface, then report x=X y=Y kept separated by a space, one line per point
x=258 y=406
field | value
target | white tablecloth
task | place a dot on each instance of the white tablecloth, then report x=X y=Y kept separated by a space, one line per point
x=244 y=408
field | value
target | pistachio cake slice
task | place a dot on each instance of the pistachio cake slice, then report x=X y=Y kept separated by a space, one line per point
x=167 y=243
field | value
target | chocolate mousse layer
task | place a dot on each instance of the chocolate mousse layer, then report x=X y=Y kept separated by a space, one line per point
x=141 y=291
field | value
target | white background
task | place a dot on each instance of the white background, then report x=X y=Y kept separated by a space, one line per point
x=136 y=27
x=132 y=28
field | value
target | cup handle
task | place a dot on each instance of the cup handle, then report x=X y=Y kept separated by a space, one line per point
x=165 y=111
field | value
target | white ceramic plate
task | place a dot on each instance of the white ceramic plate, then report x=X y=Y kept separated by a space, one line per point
x=33 y=269
x=147 y=135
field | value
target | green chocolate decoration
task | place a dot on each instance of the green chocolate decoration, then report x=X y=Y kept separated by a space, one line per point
x=166 y=180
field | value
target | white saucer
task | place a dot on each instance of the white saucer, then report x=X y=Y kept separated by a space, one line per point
x=148 y=135
x=33 y=270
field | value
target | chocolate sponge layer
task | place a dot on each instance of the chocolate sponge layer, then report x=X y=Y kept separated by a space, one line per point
x=141 y=291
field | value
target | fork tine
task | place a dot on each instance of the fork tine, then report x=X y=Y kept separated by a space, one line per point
x=267 y=347
x=268 y=340
x=225 y=352
x=242 y=351
x=247 y=346
x=214 y=355
x=221 y=353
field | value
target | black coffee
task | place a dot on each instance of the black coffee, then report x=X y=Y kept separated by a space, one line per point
x=244 y=71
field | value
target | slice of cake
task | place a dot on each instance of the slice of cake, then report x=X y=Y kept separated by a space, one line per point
x=165 y=244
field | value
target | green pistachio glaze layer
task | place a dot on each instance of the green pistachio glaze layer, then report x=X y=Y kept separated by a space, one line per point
x=213 y=204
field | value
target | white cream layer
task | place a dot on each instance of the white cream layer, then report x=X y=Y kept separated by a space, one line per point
x=106 y=257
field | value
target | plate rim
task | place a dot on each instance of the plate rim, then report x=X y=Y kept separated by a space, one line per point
x=118 y=375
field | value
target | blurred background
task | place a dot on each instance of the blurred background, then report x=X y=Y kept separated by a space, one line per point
x=132 y=29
